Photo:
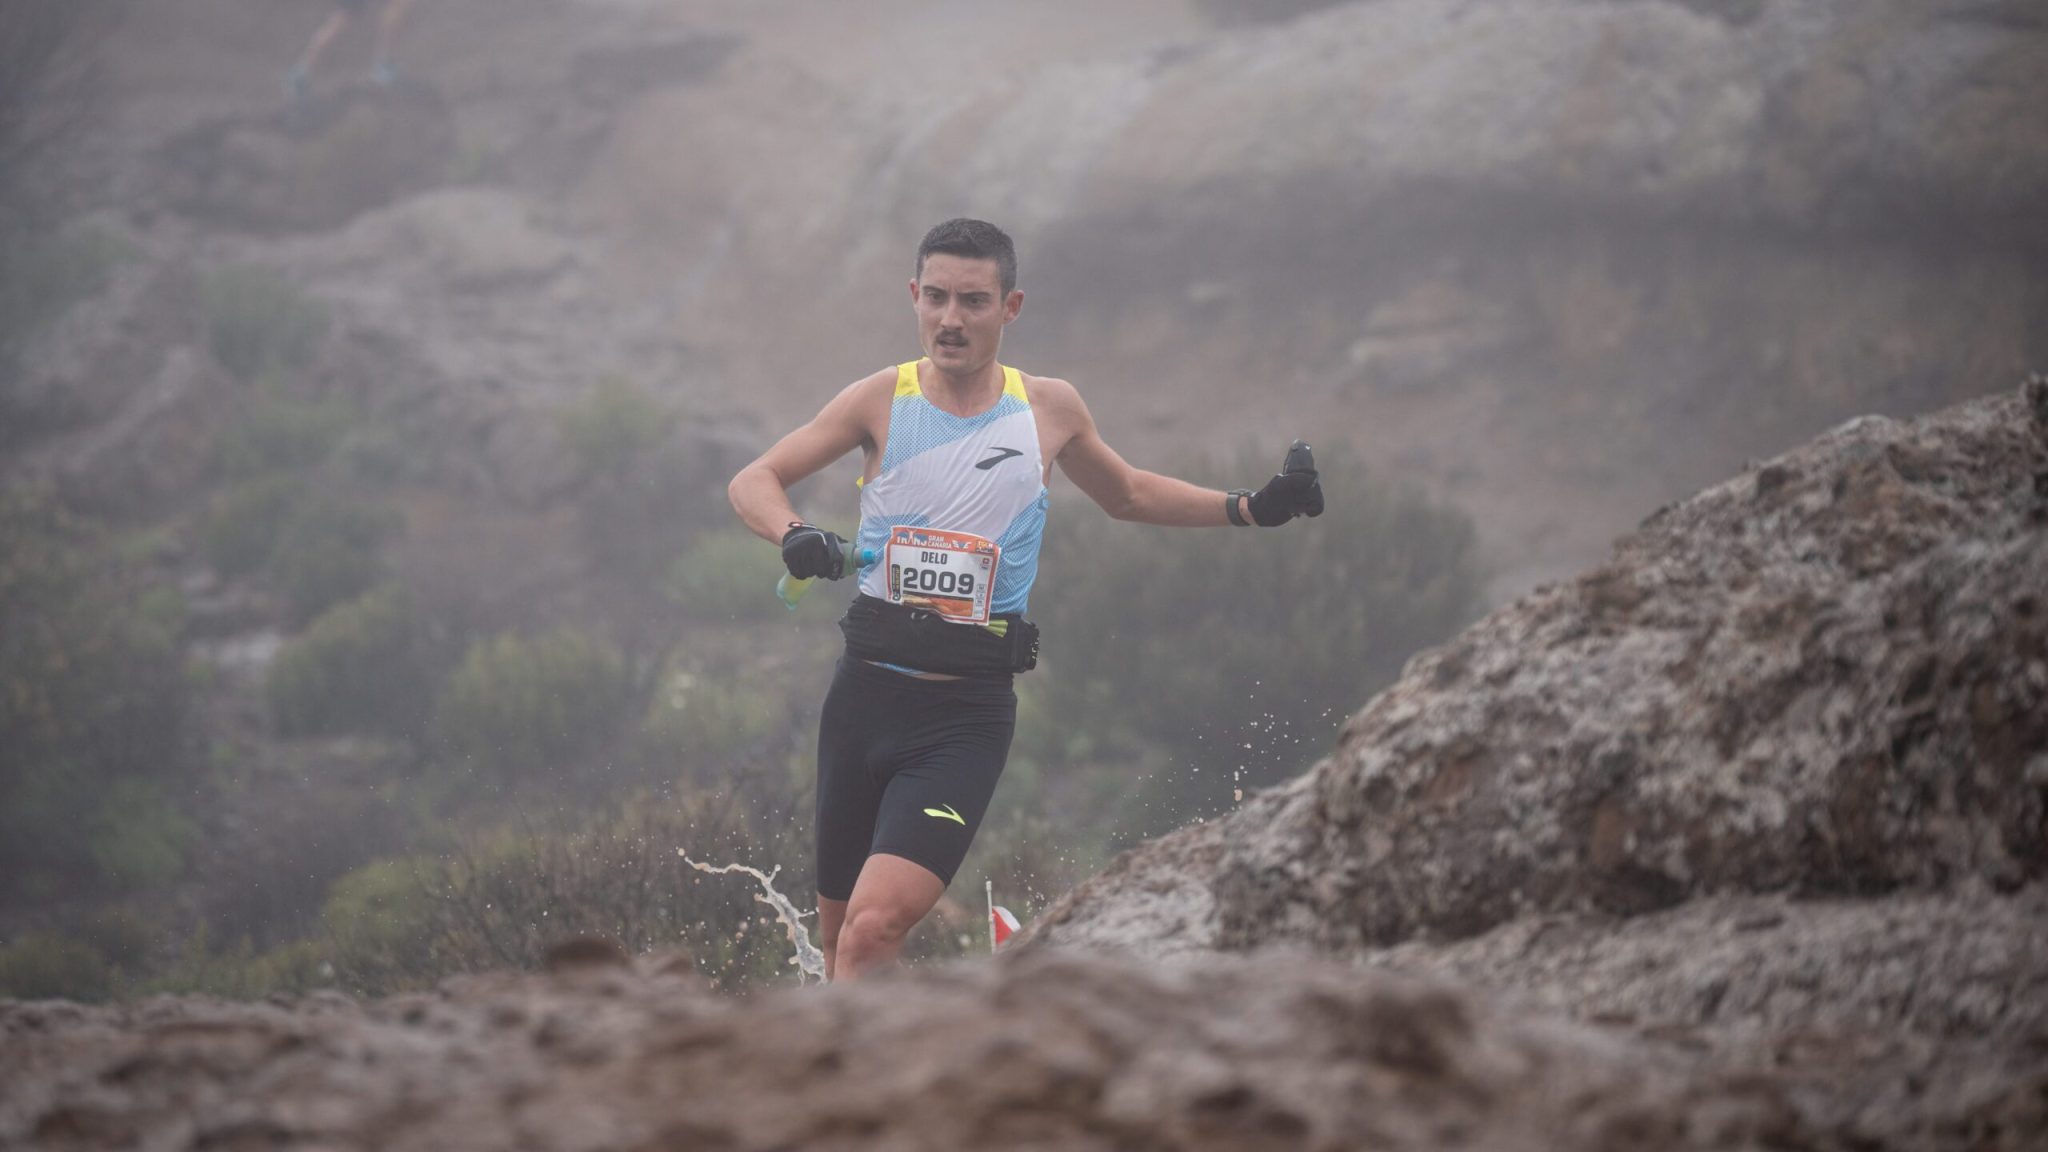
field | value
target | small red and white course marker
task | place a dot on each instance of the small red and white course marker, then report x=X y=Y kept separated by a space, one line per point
x=1001 y=924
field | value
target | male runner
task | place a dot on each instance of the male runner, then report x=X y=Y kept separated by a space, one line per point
x=958 y=451
x=300 y=78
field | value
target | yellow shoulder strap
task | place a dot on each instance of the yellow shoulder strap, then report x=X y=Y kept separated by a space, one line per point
x=1013 y=384
x=906 y=380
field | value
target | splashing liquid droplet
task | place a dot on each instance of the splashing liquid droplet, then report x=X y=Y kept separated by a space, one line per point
x=809 y=961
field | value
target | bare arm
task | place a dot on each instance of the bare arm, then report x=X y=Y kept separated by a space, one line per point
x=760 y=491
x=1125 y=492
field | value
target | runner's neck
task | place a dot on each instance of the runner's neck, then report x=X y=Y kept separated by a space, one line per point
x=970 y=396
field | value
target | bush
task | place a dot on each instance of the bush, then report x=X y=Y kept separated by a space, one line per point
x=43 y=275
x=696 y=720
x=729 y=576
x=501 y=900
x=258 y=322
x=384 y=923
x=92 y=693
x=139 y=839
x=521 y=706
x=242 y=522
x=613 y=429
x=1238 y=653
x=241 y=972
x=46 y=966
x=363 y=666
x=328 y=551
x=279 y=429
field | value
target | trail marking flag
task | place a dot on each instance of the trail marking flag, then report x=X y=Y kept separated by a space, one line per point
x=1002 y=924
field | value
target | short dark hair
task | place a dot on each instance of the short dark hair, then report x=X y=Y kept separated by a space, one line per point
x=972 y=240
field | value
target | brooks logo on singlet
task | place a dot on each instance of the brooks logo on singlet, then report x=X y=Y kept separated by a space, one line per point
x=941 y=471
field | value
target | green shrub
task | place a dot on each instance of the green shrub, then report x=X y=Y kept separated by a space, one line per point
x=499 y=901
x=384 y=923
x=42 y=274
x=328 y=551
x=611 y=430
x=520 y=706
x=241 y=972
x=258 y=322
x=362 y=666
x=281 y=429
x=92 y=692
x=697 y=719
x=243 y=521
x=46 y=966
x=1238 y=653
x=139 y=839
x=729 y=576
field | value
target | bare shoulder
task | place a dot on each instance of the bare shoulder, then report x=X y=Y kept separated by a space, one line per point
x=877 y=385
x=1062 y=414
x=1050 y=391
x=863 y=403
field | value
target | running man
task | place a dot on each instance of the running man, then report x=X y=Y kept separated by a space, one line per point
x=390 y=14
x=958 y=451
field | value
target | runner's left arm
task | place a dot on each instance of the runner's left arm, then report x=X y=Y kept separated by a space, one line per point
x=1147 y=497
x=1124 y=491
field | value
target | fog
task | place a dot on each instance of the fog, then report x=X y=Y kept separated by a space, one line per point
x=372 y=607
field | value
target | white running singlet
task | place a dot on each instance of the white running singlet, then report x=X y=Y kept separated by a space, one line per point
x=950 y=485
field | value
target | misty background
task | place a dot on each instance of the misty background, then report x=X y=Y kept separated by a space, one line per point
x=370 y=608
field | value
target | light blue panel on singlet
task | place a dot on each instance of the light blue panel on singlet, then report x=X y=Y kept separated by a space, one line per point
x=1020 y=558
x=916 y=427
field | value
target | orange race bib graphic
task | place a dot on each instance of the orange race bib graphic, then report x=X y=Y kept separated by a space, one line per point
x=951 y=573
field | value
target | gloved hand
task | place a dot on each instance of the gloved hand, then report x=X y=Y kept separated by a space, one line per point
x=1294 y=491
x=809 y=552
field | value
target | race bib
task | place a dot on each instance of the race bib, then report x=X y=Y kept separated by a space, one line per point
x=950 y=573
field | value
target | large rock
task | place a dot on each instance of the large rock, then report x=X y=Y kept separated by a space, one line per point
x=1827 y=676
x=1053 y=1051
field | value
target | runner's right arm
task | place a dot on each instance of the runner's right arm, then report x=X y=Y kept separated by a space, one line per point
x=760 y=491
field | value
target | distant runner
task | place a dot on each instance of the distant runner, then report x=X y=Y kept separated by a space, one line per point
x=382 y=71
x=958 y=451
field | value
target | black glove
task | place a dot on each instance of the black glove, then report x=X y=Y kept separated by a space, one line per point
x=1293 y=491
x=809 y=552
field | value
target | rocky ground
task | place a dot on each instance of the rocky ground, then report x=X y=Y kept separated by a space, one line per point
x=1050 y=1051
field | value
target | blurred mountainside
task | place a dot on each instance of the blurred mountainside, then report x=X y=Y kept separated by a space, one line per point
x=1562 y=261
x=1558 y=261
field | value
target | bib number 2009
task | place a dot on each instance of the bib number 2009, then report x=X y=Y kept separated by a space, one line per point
x=944 y=572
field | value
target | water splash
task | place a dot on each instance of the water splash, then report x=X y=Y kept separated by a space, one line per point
x=809 y=961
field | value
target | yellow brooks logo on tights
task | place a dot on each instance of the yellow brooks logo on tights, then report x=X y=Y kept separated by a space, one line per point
x=947 y=814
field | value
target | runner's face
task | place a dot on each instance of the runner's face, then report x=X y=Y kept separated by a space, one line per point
x=961 y=311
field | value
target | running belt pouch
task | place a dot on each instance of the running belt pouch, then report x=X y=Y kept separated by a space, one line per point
x=894 y=634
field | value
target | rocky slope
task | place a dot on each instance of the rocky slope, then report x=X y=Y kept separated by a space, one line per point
x=1779 y=770
x=1826 y=676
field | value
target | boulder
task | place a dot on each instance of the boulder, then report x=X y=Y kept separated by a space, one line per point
x=1825 y=677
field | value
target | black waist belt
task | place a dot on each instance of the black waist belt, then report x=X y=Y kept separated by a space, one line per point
x=916 y=638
